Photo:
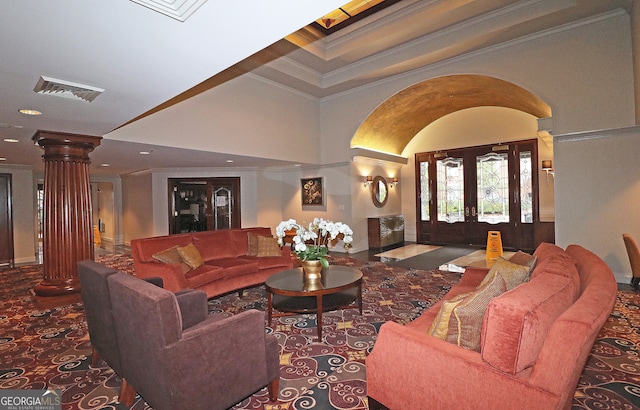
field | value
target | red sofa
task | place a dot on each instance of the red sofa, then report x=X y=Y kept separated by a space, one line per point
x=228 y=265
x=534 y=342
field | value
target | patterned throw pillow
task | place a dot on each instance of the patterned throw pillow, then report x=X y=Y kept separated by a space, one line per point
x=262 y=246
x=524 y=259
x=465 y=324
x=172 y=257
x=191 y=256
x=513 y=274
x=440 y=324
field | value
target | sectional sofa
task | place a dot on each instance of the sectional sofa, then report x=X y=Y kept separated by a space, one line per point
x=216 y=262
x=530 y=346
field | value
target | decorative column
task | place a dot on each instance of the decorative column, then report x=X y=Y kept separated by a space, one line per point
x=67 y=230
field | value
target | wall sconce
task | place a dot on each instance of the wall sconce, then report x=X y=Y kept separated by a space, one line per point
x=393 y=182
x=368 y=181
x=547 y=167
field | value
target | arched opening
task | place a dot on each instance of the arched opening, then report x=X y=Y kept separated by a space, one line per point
x=393 y=126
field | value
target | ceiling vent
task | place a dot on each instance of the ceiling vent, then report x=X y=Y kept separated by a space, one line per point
x=177 y=9
x=67 y=89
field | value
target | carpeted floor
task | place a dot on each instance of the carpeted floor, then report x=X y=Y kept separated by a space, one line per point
x=50 y=348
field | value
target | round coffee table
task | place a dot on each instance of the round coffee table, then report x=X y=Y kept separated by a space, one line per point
x=290 y=294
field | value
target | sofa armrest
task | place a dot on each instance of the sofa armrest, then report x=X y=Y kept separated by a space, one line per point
x=409 y=369
x=193 y=307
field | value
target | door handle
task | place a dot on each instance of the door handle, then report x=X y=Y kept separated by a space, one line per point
x=473 y=211
x=466 y=211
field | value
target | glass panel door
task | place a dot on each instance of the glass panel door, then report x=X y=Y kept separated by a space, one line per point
x=450 y=189
x=477 y=190
x=493 y=187
x=201 y=204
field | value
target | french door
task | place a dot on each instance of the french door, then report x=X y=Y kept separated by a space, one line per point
x=203 y=204
x=465 y=193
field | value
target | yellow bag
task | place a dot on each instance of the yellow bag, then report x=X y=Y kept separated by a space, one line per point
x=494 y=245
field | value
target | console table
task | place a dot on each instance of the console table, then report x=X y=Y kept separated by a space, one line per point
x=386 y=230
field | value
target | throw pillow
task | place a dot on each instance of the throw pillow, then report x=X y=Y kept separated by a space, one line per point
x=512 y=273
x=262 y=246
x=172 y=257
x=440 y=324
x=465 y=324
x=191 y=256
x=524 y=259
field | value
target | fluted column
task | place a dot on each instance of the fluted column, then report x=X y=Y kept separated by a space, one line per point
x=67 y=228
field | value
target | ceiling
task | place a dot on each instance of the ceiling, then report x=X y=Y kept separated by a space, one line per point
x=147 y=61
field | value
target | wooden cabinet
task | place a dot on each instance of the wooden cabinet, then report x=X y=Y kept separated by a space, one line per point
x=385 y=231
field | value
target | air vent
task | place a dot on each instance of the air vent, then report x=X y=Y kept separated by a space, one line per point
x=67 y=89
x=177 y=9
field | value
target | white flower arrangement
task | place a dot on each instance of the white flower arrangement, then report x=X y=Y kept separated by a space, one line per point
x=319 y=232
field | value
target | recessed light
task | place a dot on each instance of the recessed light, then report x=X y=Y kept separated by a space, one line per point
x=27 y=111
x=105 y=165
x=2 y=159
x=144 y=153
x=11 y=140
x=229 y=161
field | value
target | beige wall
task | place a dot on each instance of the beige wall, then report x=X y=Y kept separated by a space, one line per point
x=598 y=191
x=137 y=206
x=24 y=213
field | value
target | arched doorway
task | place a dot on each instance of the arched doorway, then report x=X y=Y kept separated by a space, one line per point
x=395 y=122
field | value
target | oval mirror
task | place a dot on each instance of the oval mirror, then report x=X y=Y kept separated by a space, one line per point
x=379 y=190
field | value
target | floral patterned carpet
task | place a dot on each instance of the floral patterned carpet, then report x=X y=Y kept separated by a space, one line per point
x=50 y=348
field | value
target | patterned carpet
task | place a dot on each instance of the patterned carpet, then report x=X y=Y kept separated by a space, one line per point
x=50 y=348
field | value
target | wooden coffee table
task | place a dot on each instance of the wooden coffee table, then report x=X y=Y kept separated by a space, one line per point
x=289 y=294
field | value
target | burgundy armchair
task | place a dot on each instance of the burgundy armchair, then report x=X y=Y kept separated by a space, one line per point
x=212 y=364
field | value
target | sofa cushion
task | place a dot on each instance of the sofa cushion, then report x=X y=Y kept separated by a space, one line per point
x=262 y=246
x=269 y=262
x=440 y=324
x=215 y=244
x=203 y=275
x=524 y=259
x=516 y=323
x=513 y=274
x=171 y=256
x=466 y=318
x=240 y=238
x=145 y=248
x=557 y=262
x=235 y=266
x=191 y=256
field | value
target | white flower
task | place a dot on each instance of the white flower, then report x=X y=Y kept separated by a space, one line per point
x=319 y=232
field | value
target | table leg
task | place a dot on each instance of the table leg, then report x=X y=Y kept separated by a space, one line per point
x=269 y=306
x=319 y=316
x=360 y=297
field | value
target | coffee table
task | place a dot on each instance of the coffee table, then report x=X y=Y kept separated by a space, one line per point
x=290 y=294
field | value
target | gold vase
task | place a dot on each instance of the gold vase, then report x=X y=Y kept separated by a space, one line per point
x=312 y=269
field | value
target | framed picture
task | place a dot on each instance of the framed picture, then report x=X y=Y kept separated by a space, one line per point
x=312 y=191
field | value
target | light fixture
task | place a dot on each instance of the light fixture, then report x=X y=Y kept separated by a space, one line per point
x=27 y=111
x=13 y=140
x=229 y=161
x=145 y=152
x=547 y=167
x=368 y=181
x=393 y=182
